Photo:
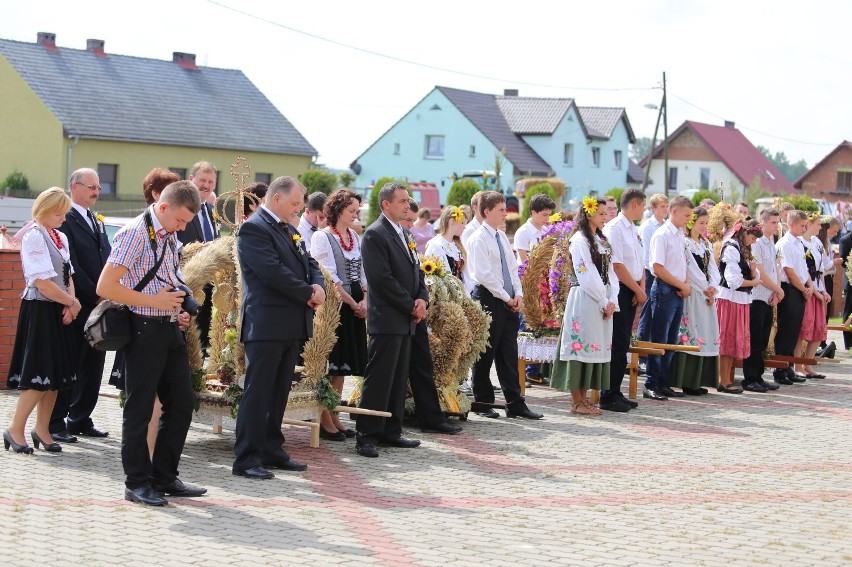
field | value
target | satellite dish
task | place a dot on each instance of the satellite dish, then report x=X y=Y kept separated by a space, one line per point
x=356 y=168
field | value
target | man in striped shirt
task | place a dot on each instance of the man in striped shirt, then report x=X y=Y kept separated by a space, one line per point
x=156 y=356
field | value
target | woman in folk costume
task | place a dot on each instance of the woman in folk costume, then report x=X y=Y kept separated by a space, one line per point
x=585 y=343
x=738 y=277
x=814 y=327
x=699 y=325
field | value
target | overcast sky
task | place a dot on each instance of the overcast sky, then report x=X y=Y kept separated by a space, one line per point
x=779 y=69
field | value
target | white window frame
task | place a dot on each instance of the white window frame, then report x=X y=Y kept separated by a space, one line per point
x=617 y=159
x=596 y=157
x=428 y=146
x=568 y=155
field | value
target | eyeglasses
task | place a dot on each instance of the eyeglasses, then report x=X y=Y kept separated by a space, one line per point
x=93 y=187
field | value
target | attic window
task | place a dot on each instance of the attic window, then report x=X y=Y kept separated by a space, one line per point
x=435 y=107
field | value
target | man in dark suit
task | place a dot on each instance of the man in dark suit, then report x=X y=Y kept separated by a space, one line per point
x=845 y=249
x=398 y=301
x=203 y=229
x=282 y=285
x=89 y=248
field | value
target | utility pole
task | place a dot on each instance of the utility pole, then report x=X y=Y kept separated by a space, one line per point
x=665 y=112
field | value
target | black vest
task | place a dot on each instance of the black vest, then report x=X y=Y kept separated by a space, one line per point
x=743 y=264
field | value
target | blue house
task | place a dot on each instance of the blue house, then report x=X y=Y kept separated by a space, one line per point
x=452 y=131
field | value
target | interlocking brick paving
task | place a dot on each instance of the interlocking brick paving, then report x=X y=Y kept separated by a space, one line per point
x=716 y=480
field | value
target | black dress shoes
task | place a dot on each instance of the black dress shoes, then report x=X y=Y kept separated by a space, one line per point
x=144 y=495
x=489 y=414
x=523 y=412
x=444 y=428
x=768 y=385
x=614 y=404
x=286 y=465
x=258 y=473
x=179 y=488
x=49 y=447
x=336 y=436
x=63 y=437
x=796 y=378
x=401 y=443
x=755 y=387
x=694 y=391
x=348 y=433
x=90 y=431
x=628 y=401
x=653 y=395
x=367 y=450
x=666 y=391
x=783 y=380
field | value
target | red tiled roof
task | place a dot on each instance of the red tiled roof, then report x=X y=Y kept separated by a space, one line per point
x=845 y=144
x=736 y=152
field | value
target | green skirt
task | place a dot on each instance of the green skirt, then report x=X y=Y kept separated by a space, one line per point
x=576 y=375
x=690 y=371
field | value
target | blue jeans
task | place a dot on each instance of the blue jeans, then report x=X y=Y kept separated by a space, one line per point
x=666 y=312
x=644 y=329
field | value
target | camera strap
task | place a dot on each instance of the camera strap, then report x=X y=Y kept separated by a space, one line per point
x=152 y=241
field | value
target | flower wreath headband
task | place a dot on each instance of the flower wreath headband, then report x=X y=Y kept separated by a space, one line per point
x=457 y=215
x=590 y=206
x=753 y=230
x=691 y=222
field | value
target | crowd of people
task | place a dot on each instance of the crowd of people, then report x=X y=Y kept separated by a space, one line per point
x=720 y=299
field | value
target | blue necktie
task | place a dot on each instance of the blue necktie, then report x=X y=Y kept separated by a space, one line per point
x=507 y=279
x=205 y=224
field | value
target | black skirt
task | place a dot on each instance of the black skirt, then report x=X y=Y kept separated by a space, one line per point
x=349 y=356
x=44 y=357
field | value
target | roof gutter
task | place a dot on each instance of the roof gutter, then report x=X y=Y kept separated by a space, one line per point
x=70 y=153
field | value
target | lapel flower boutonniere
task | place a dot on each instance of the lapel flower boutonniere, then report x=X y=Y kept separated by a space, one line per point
x=99 y=217
x=411 y=244
x=297 y=239
x=215 y=217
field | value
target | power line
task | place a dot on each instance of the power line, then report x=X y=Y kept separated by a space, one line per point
x=751 y=129
x=418 y=63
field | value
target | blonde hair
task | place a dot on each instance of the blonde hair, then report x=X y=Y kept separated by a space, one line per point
x=203 y=166
x=658 y=199
x=50 y=202
x=444 y=226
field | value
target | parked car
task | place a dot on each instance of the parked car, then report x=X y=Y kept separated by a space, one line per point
x=113 y=224
x=428 y=197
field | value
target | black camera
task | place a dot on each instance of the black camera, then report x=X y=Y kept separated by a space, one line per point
x=190 y=305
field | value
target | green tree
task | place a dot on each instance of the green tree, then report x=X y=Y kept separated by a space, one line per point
x=16 y=181
x=791 y=171
x=461 y=191
x=318 y=180
x=639 y=149
x=375 y=206
x=615 y=193
x=704 y=194
x=801 y=202
x=541 y=188
x=346 y=179
x=753 y=192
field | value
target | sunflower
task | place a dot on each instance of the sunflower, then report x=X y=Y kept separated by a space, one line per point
x=555 y=217
x=297 y=237
x=590 y=205
x=457 y=215
x=428 y=267
x=99 y=217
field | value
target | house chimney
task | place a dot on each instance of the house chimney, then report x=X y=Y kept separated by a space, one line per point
x=185 y=60
x=510 y=92
x=95 y=46
x=730 y=124
x=47 y=39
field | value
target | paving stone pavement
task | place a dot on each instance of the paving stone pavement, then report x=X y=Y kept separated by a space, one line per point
x=717 y=480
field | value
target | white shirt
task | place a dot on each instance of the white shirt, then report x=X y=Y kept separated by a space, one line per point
x=646 y=230
x=399 y=231
x=484 y=261
x=264 y=207
x=442 y=248
x=698 y=280
x=321 y=251
x=766 y=256
x=84 y=212
x=471 y=227
x=627 y=249
x=307 y=230
x=527 y=237
x=35 y=255
x=818 y=252
x=734 y=277
x=668 y=248
x=586 y=272
x=206 y=220
x=792 y=256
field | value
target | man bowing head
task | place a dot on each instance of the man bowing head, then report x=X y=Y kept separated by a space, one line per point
x=282 y=285
x=398 y=300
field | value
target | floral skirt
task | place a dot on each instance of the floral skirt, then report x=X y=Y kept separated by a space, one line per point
x=576 y=375
x=735 y=339
x=813 y=325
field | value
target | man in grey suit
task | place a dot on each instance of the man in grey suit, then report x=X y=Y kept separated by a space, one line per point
x=282 y=286
x=398 y=301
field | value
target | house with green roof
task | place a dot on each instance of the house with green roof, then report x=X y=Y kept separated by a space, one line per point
x=453 y=131
x=62 y=109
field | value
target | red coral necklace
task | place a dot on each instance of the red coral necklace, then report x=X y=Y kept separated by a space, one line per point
x=342 y=241
x=54 y=236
